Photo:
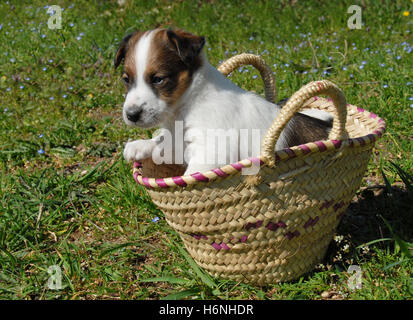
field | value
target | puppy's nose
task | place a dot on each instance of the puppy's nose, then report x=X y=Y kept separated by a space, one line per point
x=134 y=114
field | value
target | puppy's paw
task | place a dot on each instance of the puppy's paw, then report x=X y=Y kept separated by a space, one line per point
x=138 y=150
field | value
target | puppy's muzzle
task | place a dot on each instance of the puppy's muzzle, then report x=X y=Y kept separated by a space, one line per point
x=134 y=113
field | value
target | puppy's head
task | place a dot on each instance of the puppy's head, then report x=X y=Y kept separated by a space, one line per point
x=158 y=68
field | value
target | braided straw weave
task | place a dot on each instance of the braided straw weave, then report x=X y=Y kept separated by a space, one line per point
x=279 y=227
x=265 y=71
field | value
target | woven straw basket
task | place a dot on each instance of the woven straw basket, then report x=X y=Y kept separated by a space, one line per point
x=276 y=225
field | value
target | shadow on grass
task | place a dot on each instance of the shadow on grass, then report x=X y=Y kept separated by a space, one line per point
x=366 y=217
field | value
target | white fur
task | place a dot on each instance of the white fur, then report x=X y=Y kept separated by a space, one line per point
x=211 y=102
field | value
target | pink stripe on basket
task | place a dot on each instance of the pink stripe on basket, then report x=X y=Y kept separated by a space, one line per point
x=272 y=226
x=378 y=132
x=199 y=236
x=291 y=153
x=219 y=172
x=337 y=143
x=216 y=246
x=224 y=246
x=321 y=146
x=243 y=238
x=315 y=98
x=137 y=164
x=237 y=166
x=199 y=176
x=179 y=181
x=361 y=140
x=256 y=160
x=281 y=224
x=372 y=137
x=146 y=182
x=360 y=109
x=311 y=222
x=372 y=115
x=290 y=235
x=161 y=182
x=304 y=148
x=326 y=204
x=338 y=205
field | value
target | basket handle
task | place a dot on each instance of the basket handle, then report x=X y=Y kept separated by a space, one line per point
x=294 y=104
x=251 y=59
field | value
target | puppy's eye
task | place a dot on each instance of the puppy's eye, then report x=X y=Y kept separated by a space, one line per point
x=157 y=80
x=125 y=78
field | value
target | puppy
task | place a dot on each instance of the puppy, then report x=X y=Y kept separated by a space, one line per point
x=169 y=80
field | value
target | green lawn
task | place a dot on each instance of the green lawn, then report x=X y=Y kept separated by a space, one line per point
x=68 y=198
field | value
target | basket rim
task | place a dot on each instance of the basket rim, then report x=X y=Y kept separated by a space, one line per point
x=280 y=155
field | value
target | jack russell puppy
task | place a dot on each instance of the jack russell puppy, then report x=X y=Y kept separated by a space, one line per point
x=169 y=80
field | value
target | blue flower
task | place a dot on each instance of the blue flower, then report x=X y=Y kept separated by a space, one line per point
x=21 y=87
x=12 y=60
x=8 y=89
x=51 y=98
x=64 y=96
x=5 y=110
x=385 y=86
x=41 y=135
x=40 y=151
x=344 y=68
x=44 y=68
x=71 y=24
x=411 y=98
x=254 y=76
x=156 y=219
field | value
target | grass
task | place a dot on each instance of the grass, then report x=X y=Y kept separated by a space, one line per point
x=68 y=198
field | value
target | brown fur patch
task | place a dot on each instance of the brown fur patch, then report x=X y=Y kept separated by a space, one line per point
x=304 y=129
x=173 y=59
x=126 y=52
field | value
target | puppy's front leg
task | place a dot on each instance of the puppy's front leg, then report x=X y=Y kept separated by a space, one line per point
x=138 y=150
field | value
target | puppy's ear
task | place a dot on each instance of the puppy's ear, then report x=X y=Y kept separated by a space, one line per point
x=123 y=47
x=187 y=45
